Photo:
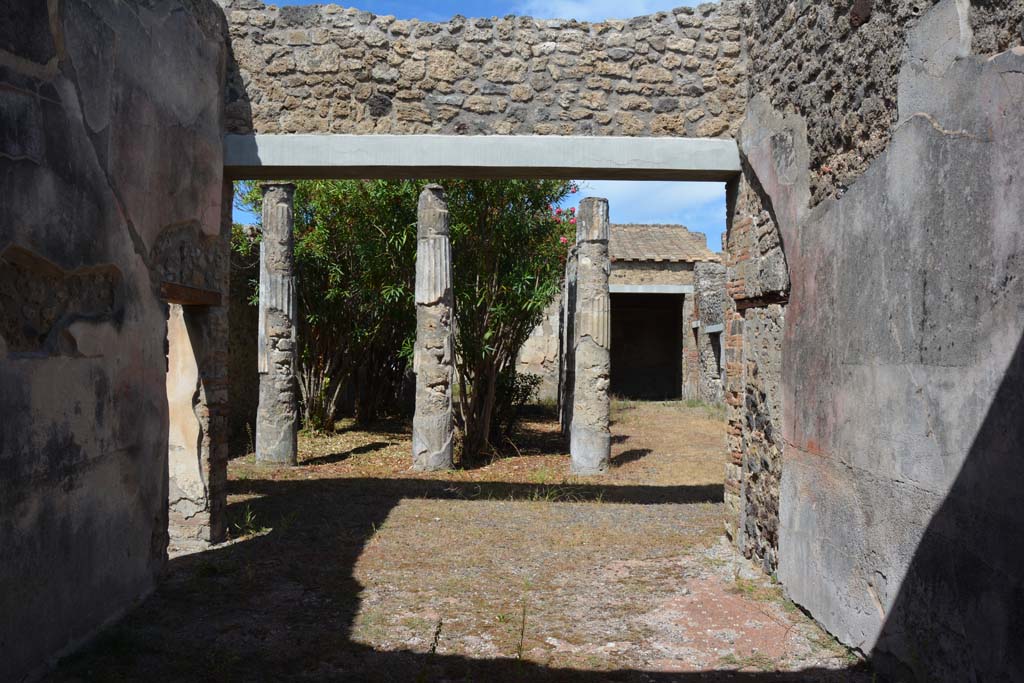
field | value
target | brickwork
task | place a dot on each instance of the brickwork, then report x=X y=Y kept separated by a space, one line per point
x=691 y=353
x=757 y=286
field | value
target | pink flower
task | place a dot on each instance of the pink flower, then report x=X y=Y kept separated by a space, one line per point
x=564 y=240
x=572 y=221
x=574 y=189
x=572 y=210
x=558 y=212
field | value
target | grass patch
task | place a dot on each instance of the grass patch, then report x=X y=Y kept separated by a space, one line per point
x=758 y=661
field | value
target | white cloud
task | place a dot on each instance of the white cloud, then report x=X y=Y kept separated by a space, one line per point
x=597 y=10
x=698 y=206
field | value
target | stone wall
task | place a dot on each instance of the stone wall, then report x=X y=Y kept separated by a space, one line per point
x=110 y=170
x=651 y=273
x=324 y=69
x=691 y=351
x=539 y=355
x=887 y=155
x=805 y=54
x=758 y=288
x=709 y=303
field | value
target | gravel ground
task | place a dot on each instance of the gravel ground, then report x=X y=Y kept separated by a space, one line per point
x=350 y=567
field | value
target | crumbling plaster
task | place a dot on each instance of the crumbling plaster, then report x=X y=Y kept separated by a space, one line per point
x=110 y=136
x=898 y=406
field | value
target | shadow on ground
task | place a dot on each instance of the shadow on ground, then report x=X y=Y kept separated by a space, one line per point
x=629 y=456
x=269 y=607
x=344 y=455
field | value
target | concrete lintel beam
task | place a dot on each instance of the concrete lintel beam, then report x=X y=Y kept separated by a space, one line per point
x=174 y=293
x=711 y=329
x=480 y=156
x=650 y=289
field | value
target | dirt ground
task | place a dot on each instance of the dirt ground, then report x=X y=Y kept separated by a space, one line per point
x=350 y=567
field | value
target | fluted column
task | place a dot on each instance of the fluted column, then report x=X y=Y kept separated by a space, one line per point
x=434 y=353
x=589 y=437
x=277 y=417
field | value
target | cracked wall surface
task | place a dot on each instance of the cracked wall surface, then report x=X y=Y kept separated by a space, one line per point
x=324 y=69
x=898 y=208
x=110 y=135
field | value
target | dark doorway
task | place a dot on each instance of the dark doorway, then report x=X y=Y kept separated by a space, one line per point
x=647 y=346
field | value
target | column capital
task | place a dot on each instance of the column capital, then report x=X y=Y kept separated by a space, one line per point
x=270 y=185
x=592 y=220
x=432 y=212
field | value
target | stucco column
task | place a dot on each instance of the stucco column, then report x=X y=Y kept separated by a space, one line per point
x=589 y=438
x=434 y=354
x=277 y=417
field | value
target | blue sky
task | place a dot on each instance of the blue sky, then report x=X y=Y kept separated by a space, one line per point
x=699 y=206
x=439 y=10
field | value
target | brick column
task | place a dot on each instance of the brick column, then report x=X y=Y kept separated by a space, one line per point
x=589 y=437
x=433 y=361
x=277 y=416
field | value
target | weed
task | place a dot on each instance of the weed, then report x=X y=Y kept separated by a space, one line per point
x=247 y=525
x=829 y=642
x=755 y=590
x=437 y=637
x=542 y=476
x=522 y=634
x=422 y=676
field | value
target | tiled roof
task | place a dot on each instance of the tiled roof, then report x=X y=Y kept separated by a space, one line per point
x=658 y=243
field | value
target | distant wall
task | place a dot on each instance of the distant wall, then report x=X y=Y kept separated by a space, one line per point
x=539 y=355
x=650 y=273
x=324 y=69
x=110 y=173
x=709 y=304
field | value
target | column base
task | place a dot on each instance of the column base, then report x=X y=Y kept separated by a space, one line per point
x=432 y=437
x=590 y=449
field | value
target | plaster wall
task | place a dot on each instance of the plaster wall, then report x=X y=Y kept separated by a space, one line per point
x=110 y=152
x=901 y=410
